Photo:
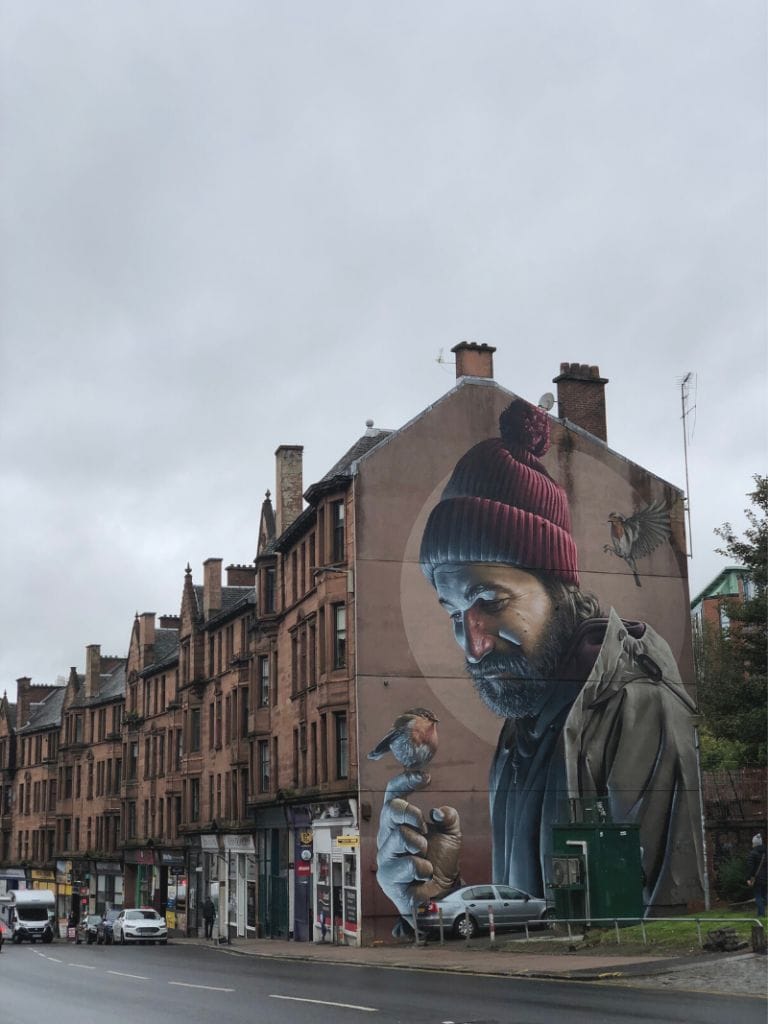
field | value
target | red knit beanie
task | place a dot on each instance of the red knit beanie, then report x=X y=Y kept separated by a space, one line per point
x=501 y=505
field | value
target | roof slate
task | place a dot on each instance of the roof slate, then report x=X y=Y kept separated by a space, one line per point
x=372 y=437
x=47 y=713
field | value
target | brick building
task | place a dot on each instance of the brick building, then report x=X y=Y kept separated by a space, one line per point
x=226 y=754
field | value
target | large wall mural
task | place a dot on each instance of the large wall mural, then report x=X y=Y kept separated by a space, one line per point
x=559 y=692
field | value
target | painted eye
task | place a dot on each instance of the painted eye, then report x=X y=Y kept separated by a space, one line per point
x=492 y=607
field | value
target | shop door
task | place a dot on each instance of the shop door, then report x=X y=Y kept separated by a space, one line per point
x=273 y=906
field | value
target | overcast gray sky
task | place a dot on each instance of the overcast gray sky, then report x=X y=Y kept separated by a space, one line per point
x=231 y=225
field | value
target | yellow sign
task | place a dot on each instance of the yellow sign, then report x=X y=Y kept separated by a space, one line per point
x=347 y=840
x=305 y=837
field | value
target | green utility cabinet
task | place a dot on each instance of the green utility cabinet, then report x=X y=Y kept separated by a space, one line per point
x=596 y=871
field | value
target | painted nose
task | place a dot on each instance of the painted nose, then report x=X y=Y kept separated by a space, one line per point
x=477 y=641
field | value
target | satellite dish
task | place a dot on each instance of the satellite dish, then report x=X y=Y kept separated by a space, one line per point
x=546 y=401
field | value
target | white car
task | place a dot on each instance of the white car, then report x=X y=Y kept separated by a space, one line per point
x=140 y=924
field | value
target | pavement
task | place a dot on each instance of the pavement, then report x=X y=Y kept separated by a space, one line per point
x=458 y=957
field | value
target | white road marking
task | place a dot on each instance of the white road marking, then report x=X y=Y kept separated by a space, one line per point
x=121 y=974
x=324 y=1002
x=54 y=959
x=209 y=988
x=83 y=967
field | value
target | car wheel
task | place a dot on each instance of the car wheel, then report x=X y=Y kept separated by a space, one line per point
x=163 y=942
x=465 y=927
x=546 y=918
x=48 y=938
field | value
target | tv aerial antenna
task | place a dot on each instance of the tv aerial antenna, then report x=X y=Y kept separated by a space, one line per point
x=688 y=405
x=442 y=362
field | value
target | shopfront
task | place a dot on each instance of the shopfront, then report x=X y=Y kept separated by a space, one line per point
x=106 y=886
x=12 y=878
x=141 y=878
x=64 y=894
x=173 y=889
x=240 y=857
x=336 y=877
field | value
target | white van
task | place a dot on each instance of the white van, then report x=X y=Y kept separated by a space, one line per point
x=28 y=914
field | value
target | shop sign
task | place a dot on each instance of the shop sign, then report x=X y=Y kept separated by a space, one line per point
x=209 y=843
x=347 y=842
x=169 y=857
x=105 y=867
x=305 y=837
x=139 y=856
x=239 y=844
x=303 y=869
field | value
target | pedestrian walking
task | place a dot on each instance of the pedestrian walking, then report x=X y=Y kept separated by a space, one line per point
x=757 y=869
x=209 y=916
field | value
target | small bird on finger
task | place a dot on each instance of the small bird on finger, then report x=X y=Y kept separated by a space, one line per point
x=412 y=740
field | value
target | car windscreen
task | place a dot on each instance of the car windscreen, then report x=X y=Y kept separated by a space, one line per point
x=149 y=915
x=32 y=913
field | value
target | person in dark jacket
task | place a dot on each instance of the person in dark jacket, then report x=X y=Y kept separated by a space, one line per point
x=757 y=870
x=209 y=916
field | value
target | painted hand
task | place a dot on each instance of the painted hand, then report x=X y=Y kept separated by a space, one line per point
x=417 y=859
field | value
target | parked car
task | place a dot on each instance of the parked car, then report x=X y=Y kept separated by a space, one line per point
x=87 y=929
x=104 y=930
x=465 y=912
x=139 y=924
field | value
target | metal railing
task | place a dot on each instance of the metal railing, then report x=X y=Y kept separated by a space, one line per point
x=644 y=922
x=537 y=923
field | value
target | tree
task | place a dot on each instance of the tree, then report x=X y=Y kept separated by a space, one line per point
x=732 y=662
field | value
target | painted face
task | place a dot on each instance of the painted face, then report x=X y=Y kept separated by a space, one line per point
x=502 y=619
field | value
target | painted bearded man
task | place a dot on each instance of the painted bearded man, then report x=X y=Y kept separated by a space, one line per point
x=593 y=706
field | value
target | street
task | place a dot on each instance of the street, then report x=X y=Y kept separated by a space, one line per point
x=160 y=984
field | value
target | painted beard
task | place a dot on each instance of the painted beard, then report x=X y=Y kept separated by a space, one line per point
x=514 y=686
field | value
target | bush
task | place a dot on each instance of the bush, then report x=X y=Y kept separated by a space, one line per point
x=731 y=880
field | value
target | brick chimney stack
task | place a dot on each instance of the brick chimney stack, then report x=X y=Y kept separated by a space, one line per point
x=146 y=638
x=211 y=587
x=22 y=700
x=289 y=485
x=92 y=669
x=241 y=575
x=473 y=360
x=581 y=397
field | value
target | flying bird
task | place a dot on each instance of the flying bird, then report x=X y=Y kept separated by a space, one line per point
x=636 y=536
x=412 y=740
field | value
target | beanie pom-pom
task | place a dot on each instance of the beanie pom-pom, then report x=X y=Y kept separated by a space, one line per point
x=524 y=429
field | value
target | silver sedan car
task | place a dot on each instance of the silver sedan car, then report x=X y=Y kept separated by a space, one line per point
x=139 y=924
x=466 y=911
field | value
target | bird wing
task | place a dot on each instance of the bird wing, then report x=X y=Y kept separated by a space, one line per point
x=648 y=528
x=383 y=746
